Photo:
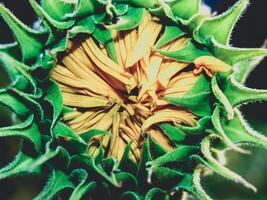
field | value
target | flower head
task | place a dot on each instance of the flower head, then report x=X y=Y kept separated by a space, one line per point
x=135 y=98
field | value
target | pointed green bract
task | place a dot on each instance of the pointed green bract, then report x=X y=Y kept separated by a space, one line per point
x=221 y=26
x=30 y=41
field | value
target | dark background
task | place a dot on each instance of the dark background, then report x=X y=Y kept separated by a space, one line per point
x=250 y=31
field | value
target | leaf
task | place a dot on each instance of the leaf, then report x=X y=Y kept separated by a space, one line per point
x=155 y=193
x=174 y=133
x=128 y=21
x=50 y=20
x=29 y=40
x=104 y=36
x=83 y=26
x=177 y=155
x=198 y=99
x=57 y=181
x=218 y=93
x=57 y=9
x=187 y=54
x=27 y=129
x=54 y=98
x=61 y=130
x=126 y=163
x=170 y=33
x=232 y=55
x=80 y=176
x=217 y=123
x=18 y=166
x=238 y=94
x=213 y=164
x=221 y=26
x=185 y=9
x=239 y=132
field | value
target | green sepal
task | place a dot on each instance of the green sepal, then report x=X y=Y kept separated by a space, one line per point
x=126 y=163
x=29 y=40
x=203 y=124
x=11 y=49
x=239 y=132
x=244 y=68
x=127 y=181
x=104 y=36
x=164 y=11
x=174 y=133
x=19 y=166
x=89 y=164
x=185 y=9
x=170 y=33
x=217 y=123
x=61 y=130
x=51 y=21
x=130 y=20
x=129 y=195
x=141 y=3
x=238 y=94
x=198 y=99
x=187 y=54
x=15 y=69
x=156 y=193
x=219 y=94
x=213 y=164
x=27 y=129
x=54 y=98
x=88 y=135
x=14 y=104
x=86 y=8
x=177 y=155
x=156 y=150
x=57 y=182
x=86 y=25
x=58 y=9
x=232 y=55
x=80 y=176
x=221 y=26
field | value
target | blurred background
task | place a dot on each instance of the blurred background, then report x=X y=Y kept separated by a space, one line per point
x=250 y=31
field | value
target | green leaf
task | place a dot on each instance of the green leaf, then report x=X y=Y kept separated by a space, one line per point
x=221 y=26
x=185 y=9
x=61 y=130
x=170 y=33
x=126 y=163
x=156 y=193
x=58 y=9
x=27 y=129
x=174 y=133
x=18 y=166
x=80 y=175
x=238 y=94
x=232 y=55
x=130 y=20
x=54 y=98
x=14 y=69
x=187 y=54
x=177 y=155
x=29 y=40
x=245 y=67
x=217 y=123
x=218 y=93
x=104 y=36
x=50 y=20
x=213 y=164
x=198 y=99
x=83 y=26
x=14 y=104
x=239 y=132
x=56 y=183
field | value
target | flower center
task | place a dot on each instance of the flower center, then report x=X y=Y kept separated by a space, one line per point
x=121 y=87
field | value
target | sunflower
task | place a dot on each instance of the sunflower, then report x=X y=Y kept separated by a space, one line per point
x=127 y=99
